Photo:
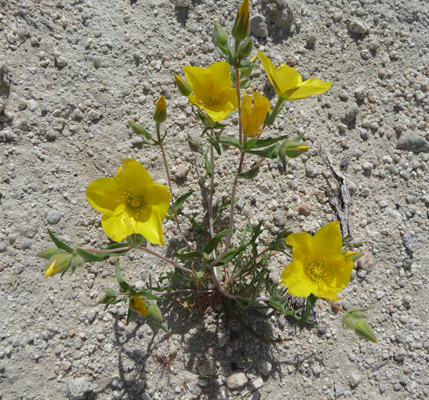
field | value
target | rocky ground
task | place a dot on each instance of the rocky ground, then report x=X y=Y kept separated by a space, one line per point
x=72 y=73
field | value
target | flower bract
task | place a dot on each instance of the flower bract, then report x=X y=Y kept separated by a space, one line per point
x=212 y=89
x=131 y=203
x=253 y=118
x=288 y=83
x=317 y=266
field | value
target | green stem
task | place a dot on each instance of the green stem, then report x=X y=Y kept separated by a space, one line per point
x=174 y=264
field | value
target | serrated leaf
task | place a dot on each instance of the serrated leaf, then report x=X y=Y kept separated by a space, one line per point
x=140 y=130
x=192 y=255
x=59 y=243
x=250 y=174
x=211 y=245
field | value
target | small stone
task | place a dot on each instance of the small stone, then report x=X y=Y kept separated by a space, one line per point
x=54 y=217
x=256 y=384
x=258 y=26
x=81 y=388
x=358 y=26
x=51 y=135
x=94 y=115
x=312 y=170
x=407 y=300
x=236 y=381
x=339 y=389
x=61 y=62
x=264 y=367
x=280 y=218
x=382 y=387
x=311 y=40
x=3 y=247
x=413 y=142
x=355 y=379
x=400 y=354
x=181 y=171
x=304 y=209
x=410 y=241
x=26 y=244
x=182 y=3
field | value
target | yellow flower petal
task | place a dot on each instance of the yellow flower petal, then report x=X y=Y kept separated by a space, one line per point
x=212 y=89
x=253 y=118
x=317 y=265
x=131 y=203
x=287 y=81
x=139 y=305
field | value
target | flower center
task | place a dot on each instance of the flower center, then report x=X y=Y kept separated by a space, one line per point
x=135 y=202
x=211 y=102
x=317 y=269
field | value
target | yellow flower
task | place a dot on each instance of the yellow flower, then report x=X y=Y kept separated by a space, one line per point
x=253 y=118
x=212 y=89
x=131 y=203
x=138 y=304
x=288 y=82
x=317 y=265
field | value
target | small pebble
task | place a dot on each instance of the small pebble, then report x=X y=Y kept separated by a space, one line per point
x=54 y=217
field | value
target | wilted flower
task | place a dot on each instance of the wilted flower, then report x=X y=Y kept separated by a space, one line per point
x=131 y=203
x=253 y=118
x=288 y=83
x=317 y=265
x=138 y=305
x=212 y=89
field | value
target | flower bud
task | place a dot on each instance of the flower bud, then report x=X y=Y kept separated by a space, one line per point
x=244 y=49
x=137 y=304
x=59 y=263
x=294 y=149
x=48 y=253
x=241 y=27
x=160 y=114
x=363 y=329
x=183 y=87
x=155 y=312
x=219 y=35
x=76 y=261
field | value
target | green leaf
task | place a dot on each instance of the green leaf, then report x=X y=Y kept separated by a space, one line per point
x=229 y=141
x=130 y=312
x=148 y=295
x=192 y=255
x=246 y=64
x=258 y=143
x=308 y=307
x=279 y=243
x=208 y=163
x=282 y=158
x=250 y=174
x=59 y=243
x=211 y=245
x=140 y=130
x=178 y=204
x=109 y=297
x=141 y=240
x=124 y=285
x=268 y=152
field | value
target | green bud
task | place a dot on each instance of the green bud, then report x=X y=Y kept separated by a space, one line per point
x=294 y=149
x=76 y=261
x=59 y=263
x=241 y=27
x=220 y=36
x=160 y=114
x=155 y=312
x=183 y=87
x=48 y=253
x=363 y=329
x=244 y=49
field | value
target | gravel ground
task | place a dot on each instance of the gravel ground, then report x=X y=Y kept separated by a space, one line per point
x=72 y=73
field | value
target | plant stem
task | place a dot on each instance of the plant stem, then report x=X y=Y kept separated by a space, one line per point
x=108 y=251
x=332 y=304
x=174 y=264
x=176 y=218
x=211 y=190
